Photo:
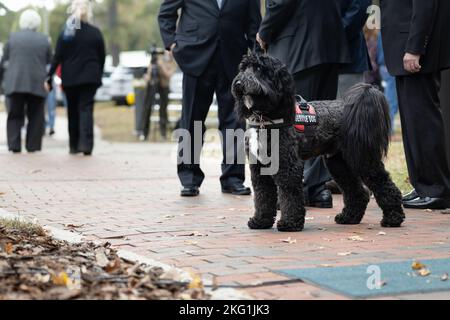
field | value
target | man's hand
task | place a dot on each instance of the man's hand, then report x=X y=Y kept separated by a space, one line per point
x=47 y=87
x=411 y=62
x=261 y=42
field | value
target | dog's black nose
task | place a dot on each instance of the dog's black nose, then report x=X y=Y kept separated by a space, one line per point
x=238 y=87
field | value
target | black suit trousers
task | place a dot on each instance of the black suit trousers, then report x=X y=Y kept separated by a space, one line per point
x=80 y=103
x=317 y=83
x=423 y=133
x=18 y=105
x=445 y=100
x=198 y=93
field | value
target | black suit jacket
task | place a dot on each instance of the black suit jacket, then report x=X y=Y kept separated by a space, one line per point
x=418 y=27
x=81 y=55
x=305 y=33
x=203 y=27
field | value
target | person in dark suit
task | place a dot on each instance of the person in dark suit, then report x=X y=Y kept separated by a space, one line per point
x=308 y=36
x=208 y=43
x=445 y=98
x=26 y=56
x=354 y=17
x=81 y=52
x=417 y=48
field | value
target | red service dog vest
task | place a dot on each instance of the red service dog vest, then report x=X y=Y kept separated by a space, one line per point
x=305 y=116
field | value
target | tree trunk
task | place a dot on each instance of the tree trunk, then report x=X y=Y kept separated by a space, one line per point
x=113 y=24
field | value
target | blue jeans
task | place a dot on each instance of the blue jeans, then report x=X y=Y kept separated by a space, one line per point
x=390 y=91
x=51 y=109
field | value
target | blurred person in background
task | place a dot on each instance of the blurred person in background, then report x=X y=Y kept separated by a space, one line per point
x=26 y=57
x=208 y=39
x=81 y=52
x=388 y=83
x=158 y=76
x=309 y=37
x=372 y=76
x=51 y=110
x=354 y=17
x=416 y=42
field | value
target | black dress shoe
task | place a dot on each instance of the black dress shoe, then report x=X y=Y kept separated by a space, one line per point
x=190 y=192
x=427 y=203
x=237 y=190
x=74 y=151
x=333 y=187
x=323 y=199
x=411 y=196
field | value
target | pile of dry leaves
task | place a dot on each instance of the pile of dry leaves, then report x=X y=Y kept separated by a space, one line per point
x=35 y=266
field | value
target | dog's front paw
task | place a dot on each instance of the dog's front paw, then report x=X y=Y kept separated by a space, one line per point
x=290 y=226
x=347 y=219
x=260 y=224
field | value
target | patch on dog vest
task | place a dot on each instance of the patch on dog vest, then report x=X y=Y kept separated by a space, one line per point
x=305 y=116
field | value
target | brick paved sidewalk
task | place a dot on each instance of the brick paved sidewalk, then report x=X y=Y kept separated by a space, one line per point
x=128 y=195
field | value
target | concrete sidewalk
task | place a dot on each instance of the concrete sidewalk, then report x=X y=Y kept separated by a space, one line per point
x=128 y=194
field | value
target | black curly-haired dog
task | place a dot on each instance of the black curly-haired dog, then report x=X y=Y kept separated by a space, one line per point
x=352 y=134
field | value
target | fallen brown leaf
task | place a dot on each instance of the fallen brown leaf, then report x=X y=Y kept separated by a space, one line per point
x=113 y=266
x=289 y=240
x=61 y=279
x=196 y=282
x=9 y=248
x=74 y=226
x=416 y=265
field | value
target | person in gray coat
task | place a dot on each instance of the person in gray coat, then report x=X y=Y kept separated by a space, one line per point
x=26 y=56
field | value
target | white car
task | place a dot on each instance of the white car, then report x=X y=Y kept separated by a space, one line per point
x=176 y=87
x=121 y=84
x=104 y=92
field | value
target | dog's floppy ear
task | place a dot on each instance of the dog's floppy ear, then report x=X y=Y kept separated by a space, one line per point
x=245 y=62
x=285 y=83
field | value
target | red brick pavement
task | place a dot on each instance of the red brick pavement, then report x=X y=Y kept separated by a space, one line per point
x=128 y=195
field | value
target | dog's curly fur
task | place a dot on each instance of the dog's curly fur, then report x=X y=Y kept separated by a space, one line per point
x=352 y=133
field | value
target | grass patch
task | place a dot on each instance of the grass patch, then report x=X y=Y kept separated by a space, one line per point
x=116 y=122
x=16 y=225
x=396 y=165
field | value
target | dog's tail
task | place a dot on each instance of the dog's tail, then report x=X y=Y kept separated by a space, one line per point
x=366 y=126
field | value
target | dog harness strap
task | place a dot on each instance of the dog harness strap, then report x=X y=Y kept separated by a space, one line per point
x=260 y=122
x=305 y=117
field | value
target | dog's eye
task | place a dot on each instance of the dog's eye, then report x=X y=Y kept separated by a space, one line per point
x=258 y=69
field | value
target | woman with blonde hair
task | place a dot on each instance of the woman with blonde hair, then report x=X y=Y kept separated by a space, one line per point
x=81 y=52
x=26 y=56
